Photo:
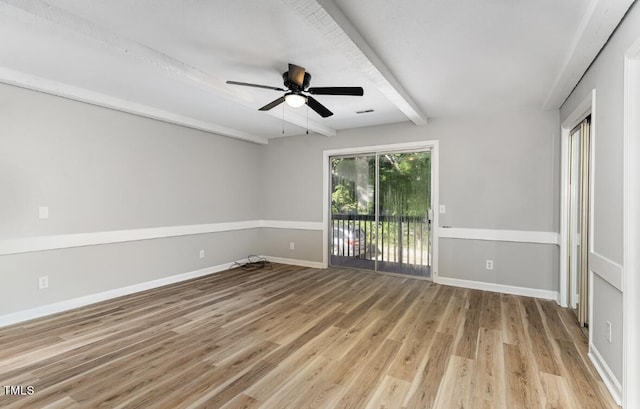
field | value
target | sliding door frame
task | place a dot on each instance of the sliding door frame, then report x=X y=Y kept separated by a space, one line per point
x=586 y=108
x=397 y=147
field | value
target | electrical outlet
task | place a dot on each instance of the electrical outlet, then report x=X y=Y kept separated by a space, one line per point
x=201 y=253
x=607 y=331
x=443 y=209
x=43 y=282
x=292 y=246
x=488 y=264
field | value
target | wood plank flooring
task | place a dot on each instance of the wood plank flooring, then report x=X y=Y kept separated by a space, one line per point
x=294 y=337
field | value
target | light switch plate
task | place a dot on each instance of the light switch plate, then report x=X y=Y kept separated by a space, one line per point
x=43 y=212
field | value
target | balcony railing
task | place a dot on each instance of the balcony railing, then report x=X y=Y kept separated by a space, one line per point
x=401 y=239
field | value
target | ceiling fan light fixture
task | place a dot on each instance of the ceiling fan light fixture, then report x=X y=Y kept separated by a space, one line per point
x=295 y=100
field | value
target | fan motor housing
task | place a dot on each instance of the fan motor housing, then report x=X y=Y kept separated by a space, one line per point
x=295 y=87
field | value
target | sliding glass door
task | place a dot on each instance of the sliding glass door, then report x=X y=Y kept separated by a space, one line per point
x=380 y=212
x=352 y=231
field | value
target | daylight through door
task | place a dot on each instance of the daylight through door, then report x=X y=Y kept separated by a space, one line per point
x=380 y=212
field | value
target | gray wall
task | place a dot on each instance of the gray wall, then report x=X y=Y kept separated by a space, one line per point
x=83 y=271
x=497 y=171
x=307 y=244
x=101 y=170
x=606 y=75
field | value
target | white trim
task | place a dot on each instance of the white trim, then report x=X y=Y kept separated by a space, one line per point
x=325 y=208
x=518 y=236
x=66 y=305
x=393 y=147
x=293 y=225
x=564 y=217
x=497 y=288
x=608 y=270
x=68 y=91
x=29 y=244
x=585 y=108
x=631 y=228
x=63 y=241
x=432 y=145
x=580 y=112
x=435 y=197
x=295 y=262
x=609 y=379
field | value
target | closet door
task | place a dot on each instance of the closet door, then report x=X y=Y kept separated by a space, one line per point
x=579 y=222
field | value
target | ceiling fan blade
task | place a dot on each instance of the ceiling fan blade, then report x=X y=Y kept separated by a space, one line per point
x=272 y=104
x=246 y=84
x=354 y=91
x=318 y=107
x=296 y=74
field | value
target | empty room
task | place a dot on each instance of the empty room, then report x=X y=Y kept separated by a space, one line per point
x=320 y=204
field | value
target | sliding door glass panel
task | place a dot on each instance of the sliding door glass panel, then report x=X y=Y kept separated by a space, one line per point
x=404 y=236
x=352 y=233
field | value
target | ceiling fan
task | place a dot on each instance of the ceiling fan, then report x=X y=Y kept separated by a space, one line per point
x=296 y=81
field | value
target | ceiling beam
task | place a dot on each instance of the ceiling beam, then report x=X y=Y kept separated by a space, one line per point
x=173 y=67
x=40 y=84
x=331 y=22
x=600 y=20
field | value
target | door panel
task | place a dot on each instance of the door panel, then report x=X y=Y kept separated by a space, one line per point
x=579 y=220
x=380 y=206
x=352 y=231
x=405 y=200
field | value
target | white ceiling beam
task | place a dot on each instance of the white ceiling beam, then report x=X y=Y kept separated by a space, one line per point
x=329 y=20
x=600 y=20
x=172 y=66
x=36 y=83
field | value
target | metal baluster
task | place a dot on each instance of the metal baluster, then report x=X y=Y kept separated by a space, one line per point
x=415 y=259
x=382 y=224
x=422 y=243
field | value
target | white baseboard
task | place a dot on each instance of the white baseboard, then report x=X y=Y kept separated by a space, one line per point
x=497 y=288
x=609 y=379
x=66 y=305
x=295 y=262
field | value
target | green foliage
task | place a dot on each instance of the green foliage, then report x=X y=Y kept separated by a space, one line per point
x=343 y=200
x=405 y=184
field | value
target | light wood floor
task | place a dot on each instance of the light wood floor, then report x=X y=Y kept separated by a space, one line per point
x=294 y=337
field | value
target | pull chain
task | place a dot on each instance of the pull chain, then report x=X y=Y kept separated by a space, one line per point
x=283 y=119
x=307 y=119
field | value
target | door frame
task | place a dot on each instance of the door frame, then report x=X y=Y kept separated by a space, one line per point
x=396 y=147
x=631 y=230
x=584 y=109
